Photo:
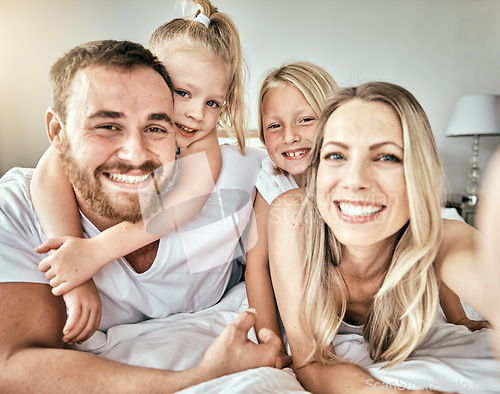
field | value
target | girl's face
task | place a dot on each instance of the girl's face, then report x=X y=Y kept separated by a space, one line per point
x=361 y=187
x=289 y=124
x=201 y=83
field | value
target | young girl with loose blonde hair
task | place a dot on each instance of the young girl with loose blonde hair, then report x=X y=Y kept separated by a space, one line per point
x=290 y=103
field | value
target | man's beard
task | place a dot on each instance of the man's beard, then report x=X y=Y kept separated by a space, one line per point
x=117 y=206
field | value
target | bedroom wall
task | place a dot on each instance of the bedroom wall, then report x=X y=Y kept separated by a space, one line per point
x=438 y=49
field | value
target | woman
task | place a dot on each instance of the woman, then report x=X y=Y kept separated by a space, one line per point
x=363 y=248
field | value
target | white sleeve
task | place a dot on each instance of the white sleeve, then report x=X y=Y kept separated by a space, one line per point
x=20 y=231
x=271 y=184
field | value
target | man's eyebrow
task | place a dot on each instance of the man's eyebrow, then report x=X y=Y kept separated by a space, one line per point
x=161 y=117
x=105 y=114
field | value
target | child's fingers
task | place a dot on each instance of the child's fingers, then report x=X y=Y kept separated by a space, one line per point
x=48 y=245
x=55 y=281
x=90 y=328
x=61 y=288
x=74 y=314
x=85 y=327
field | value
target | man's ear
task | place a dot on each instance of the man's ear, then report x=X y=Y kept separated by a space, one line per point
x=54 y=127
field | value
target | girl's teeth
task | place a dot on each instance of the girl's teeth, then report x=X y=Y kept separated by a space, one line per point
x=294 y=154
x=359 y=210
x=128 y=178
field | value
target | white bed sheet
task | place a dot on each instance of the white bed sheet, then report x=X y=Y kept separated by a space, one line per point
x=452 y=359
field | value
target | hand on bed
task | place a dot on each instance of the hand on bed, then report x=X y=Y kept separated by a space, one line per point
x=71 y=263
x=473 y=325
x=84 y=313
x=233 y=352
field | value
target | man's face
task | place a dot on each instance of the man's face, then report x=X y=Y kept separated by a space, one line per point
x=118 y=130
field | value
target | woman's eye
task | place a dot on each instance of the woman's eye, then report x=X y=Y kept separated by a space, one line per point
x=182 y=93
x=213 y=104
x=333 y=156
x=392 y=158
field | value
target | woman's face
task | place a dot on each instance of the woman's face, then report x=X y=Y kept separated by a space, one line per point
x=289 y=124
x=361 y=188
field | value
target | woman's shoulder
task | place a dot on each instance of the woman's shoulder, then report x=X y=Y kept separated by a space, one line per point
x=459 y=241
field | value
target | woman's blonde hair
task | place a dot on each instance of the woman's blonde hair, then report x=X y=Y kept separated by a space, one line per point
x=221 y=39
x=405 y=306
x=313 y=82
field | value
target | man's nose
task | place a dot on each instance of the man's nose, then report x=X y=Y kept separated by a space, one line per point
x=134 y=149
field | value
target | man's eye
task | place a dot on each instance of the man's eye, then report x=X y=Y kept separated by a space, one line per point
x=156 y=130
x=107 y=127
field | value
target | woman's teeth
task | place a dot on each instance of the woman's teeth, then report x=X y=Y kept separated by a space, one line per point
x=358 y=210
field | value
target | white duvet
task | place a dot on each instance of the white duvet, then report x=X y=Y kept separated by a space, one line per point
x=453 y=359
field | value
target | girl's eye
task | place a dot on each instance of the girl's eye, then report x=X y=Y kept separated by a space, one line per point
x=213 y=104
x=307 y=119
x=182 y=93
x=390 y=157
x=333 y=156
x=273 y=126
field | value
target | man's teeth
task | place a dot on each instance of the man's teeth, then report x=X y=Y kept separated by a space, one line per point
x=296 y=153
x=184 y=128
x=127 y=178
x=359 y=210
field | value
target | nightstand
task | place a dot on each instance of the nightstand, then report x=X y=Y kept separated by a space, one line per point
x=466 y=210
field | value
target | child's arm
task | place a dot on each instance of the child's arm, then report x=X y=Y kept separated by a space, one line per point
x=76 y=260
x=63 y=218
x=258 y=280
x=454 y=311
x=58 y=215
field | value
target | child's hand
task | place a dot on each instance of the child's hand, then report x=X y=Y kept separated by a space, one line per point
x=84 y=313
x=283 y=360
x=473 y=325
x=73 y=262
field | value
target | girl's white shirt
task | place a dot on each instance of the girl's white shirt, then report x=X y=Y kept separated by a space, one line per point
x=271 y=184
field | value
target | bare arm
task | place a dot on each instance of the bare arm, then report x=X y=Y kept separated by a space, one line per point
x=458 y=265
x=56 y=208
x=258 y=280
x=53 y=197
x=489 y=223
x=32 y=358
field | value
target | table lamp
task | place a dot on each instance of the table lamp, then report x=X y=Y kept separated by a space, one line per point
x=473 y=116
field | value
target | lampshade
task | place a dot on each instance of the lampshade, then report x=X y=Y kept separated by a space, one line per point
x=476 y=114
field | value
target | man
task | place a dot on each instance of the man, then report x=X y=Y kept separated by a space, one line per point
x=111 y=120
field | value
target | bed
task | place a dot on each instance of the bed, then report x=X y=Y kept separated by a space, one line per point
x=453 y=359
